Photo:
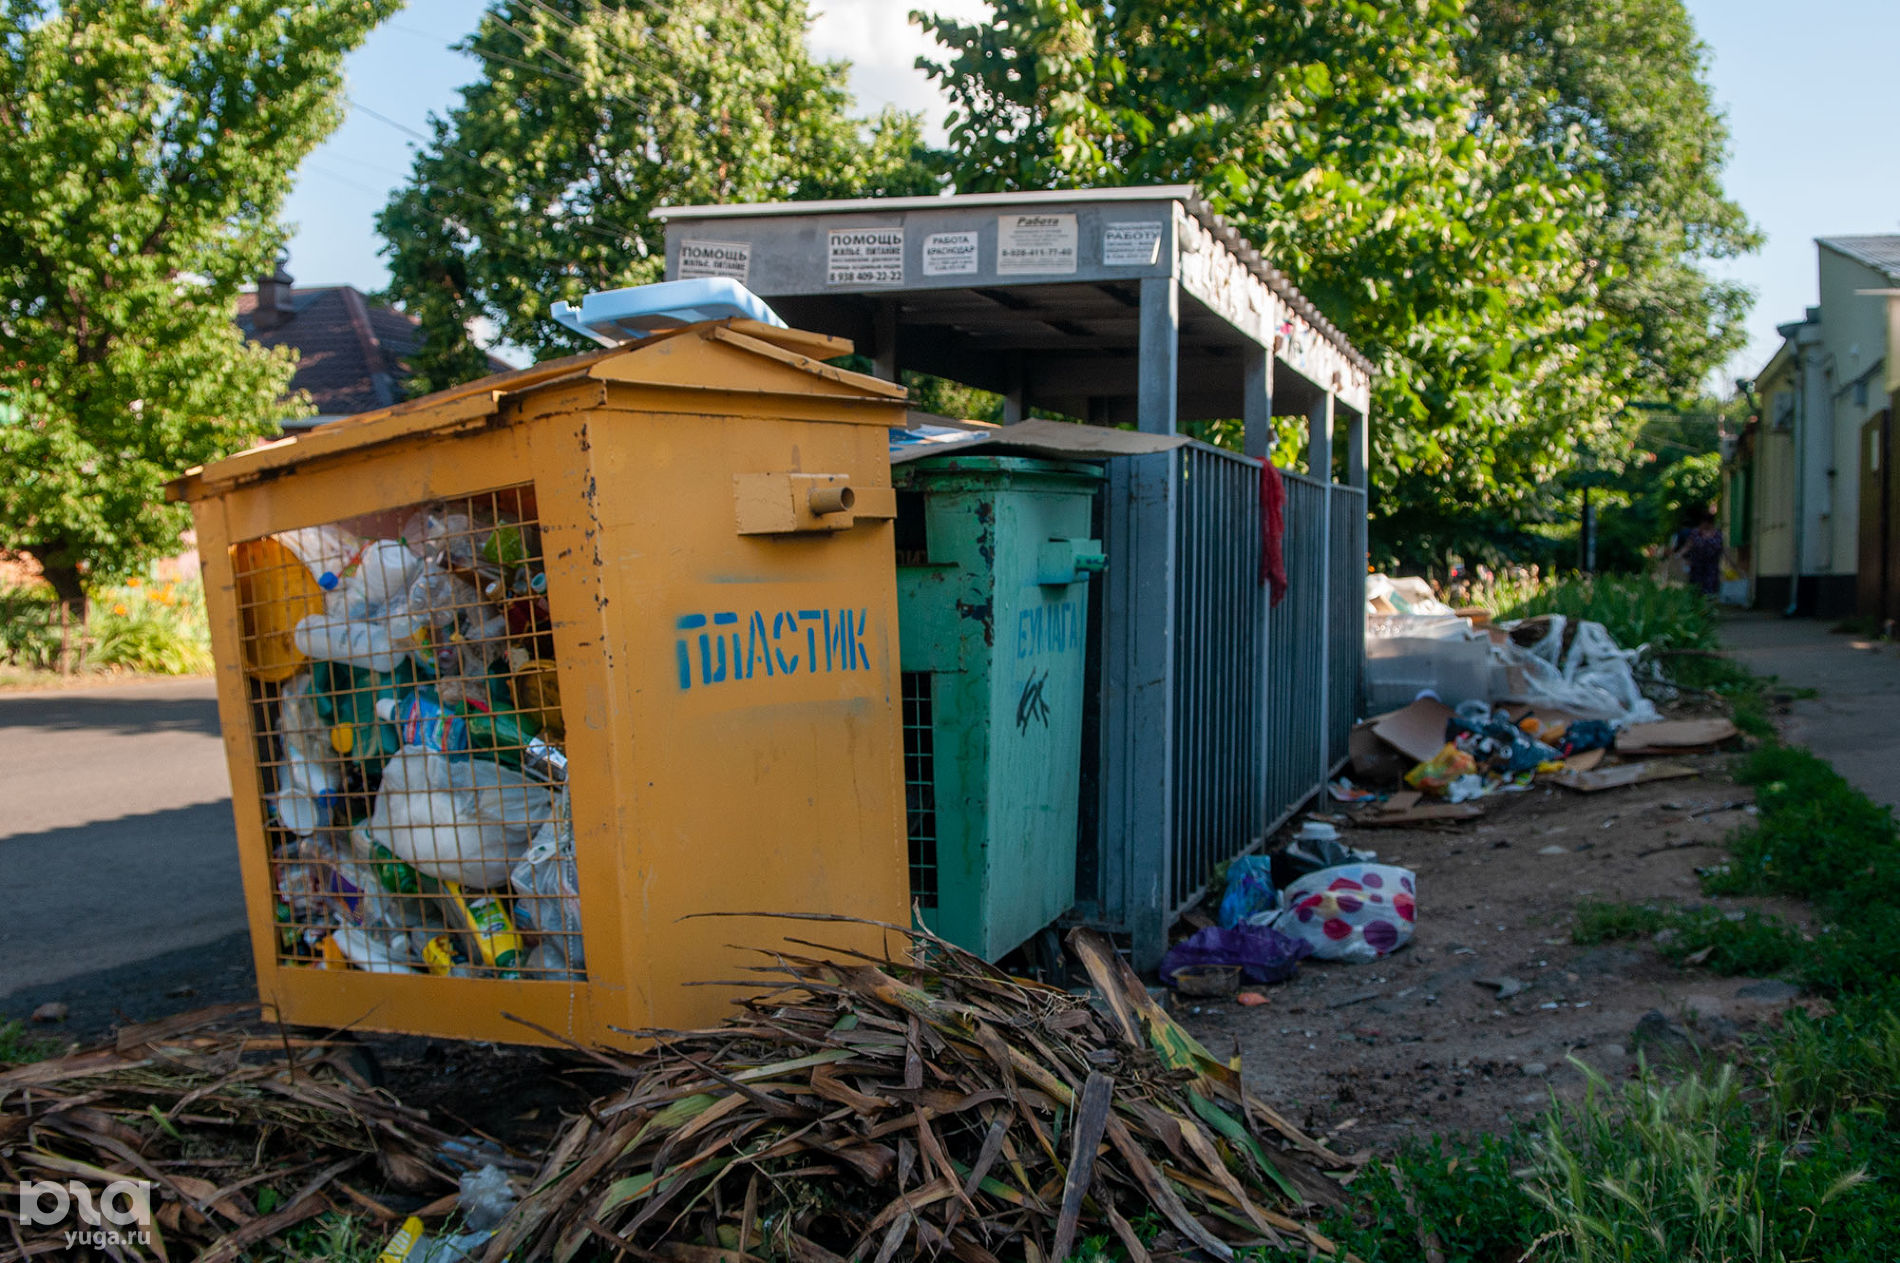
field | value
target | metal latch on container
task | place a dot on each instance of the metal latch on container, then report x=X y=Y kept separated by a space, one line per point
x=1061 y=561
x=790 y=504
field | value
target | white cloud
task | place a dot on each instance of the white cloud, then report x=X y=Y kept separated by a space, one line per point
x=882 y=44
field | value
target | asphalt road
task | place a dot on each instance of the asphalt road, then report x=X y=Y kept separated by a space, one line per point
x=118 y=860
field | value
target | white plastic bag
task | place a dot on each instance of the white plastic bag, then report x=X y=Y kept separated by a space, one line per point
x=1592 y=680
x=462 y=820
x=1355 y=912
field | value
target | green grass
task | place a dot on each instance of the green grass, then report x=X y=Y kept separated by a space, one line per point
x=19 y=1045
x=1746 y=942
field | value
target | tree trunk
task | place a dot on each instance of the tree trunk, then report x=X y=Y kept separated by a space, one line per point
x=71 y=591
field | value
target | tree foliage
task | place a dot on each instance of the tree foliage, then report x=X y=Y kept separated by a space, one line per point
x=588 y=115
x=1468 y=189
x=145 y=151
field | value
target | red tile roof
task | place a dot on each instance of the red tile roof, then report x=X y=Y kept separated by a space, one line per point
x=350 y=355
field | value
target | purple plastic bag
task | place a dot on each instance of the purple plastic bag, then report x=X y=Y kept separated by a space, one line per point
x=1264 y=955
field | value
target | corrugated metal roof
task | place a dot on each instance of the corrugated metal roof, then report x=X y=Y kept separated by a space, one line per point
x=1133 y=193
x=1881 y=253
x=1187 y=194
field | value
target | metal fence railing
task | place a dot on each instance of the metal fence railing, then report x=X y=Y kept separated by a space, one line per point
x=1262 y=700
x=1219 y=667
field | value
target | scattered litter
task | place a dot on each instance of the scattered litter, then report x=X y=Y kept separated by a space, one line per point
x=1417 y=731
x=1553 y=849
x=1437 y=773
x=486 y=1198
x=1581 y=669
x=1623 y=774
x=1344 y=791
x=1203 y=982
x=51 y=1011
x=1674 y=736
x=1262 y=953
x=1249 y=891
x=1311 y=850
x=1356 y=912
x=1465 y=788
x=1252 y=999
x=1506 y=986
x=1407 y=807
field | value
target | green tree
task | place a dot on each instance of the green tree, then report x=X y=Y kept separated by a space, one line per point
x=145 y=151
x=1621 y=86
x=587 y=116
x=1450 y=221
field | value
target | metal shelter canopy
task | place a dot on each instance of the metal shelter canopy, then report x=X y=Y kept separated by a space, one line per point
x=1114 y=305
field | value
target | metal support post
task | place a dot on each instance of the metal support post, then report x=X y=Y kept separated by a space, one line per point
x=1319 y=439
x=1256 y=403
x=884 y=352
x=1138 y=648
x=1319 y=463
x=1358 y=443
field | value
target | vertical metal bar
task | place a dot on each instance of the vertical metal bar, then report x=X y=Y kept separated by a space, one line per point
x=1358 y=447
x=1143 y=810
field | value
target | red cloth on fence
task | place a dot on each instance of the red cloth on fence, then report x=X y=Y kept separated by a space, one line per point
x=1272 y=532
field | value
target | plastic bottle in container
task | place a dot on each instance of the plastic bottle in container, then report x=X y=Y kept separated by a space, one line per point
x=368 y=951
x=489 y=927
x=547 y=888
x=423 y=722
x=366 y=620
x=307 y=780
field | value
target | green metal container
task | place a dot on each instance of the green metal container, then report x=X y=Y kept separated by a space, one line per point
x=992 y=598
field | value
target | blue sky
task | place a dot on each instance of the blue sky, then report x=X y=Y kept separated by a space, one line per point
x=1807 y=90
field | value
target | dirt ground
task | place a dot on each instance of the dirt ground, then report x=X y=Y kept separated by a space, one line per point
x=1371 y=1054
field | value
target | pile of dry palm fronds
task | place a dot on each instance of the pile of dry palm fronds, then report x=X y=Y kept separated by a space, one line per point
x=241 y=1135
x=933 y=1106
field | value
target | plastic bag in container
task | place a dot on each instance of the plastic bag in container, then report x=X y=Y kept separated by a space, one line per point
x=462 y=820
x=307 y=780
x=549 y=886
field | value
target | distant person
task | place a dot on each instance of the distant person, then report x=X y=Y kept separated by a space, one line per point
x=1702 y=549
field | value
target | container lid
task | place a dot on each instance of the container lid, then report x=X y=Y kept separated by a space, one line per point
x=615 y=316
x=927 y=438
x=994 y=469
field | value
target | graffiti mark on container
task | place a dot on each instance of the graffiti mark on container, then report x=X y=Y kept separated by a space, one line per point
x=1031 y=705
x=730 y=648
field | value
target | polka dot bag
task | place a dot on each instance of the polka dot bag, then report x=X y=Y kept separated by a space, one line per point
x=1352 y=912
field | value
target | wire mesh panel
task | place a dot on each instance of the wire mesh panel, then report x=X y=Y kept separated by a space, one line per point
x=1346 y=621
x=409 y=732
x=1218 y=665
x=1297 y=679
x=920 y=785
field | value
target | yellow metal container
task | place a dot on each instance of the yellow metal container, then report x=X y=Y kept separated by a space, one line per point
x=718 y=644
